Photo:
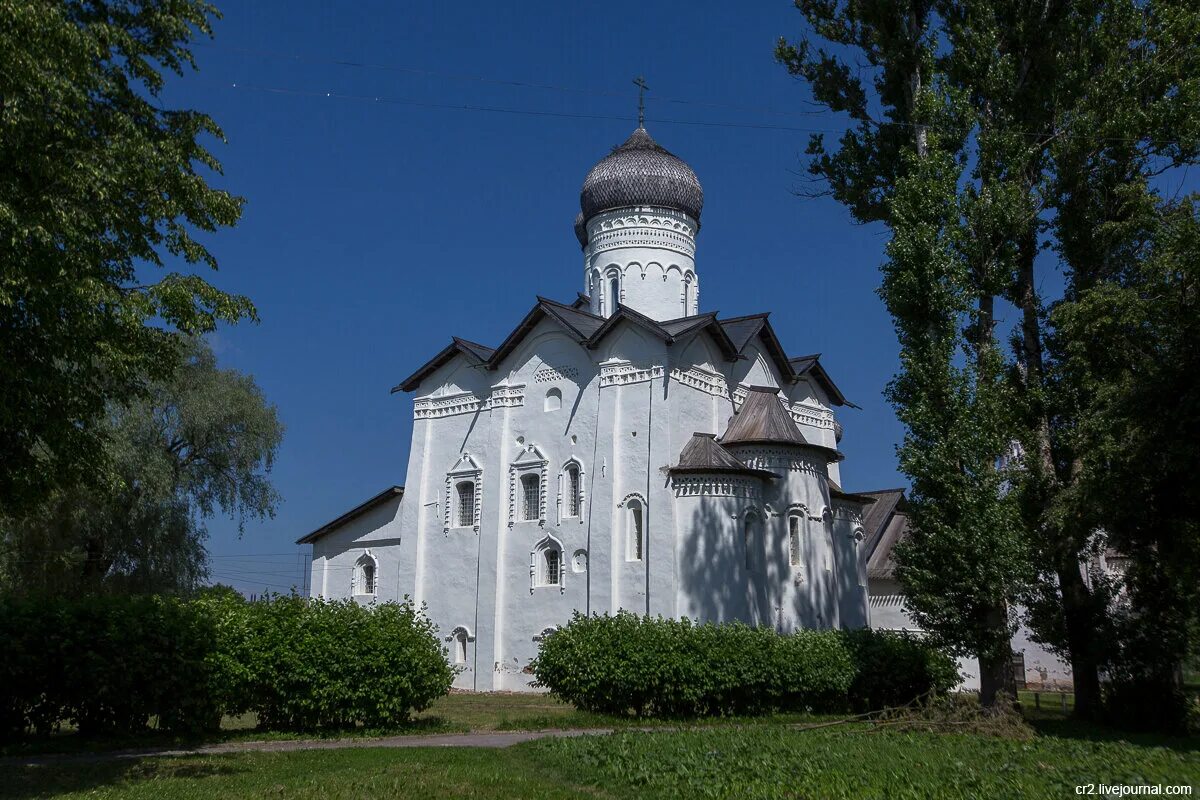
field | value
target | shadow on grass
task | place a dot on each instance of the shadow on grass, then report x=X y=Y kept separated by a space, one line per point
x=1064 y=728
x=46 y=780
x=77 y=744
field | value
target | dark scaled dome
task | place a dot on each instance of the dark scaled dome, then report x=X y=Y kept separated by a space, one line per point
x=639 y=173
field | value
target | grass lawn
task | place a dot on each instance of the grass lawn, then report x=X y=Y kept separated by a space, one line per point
x=455 y=713
x=759 y=761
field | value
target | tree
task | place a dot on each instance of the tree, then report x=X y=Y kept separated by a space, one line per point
x=967 y=557
x=201 y=442
x=1127 y=357
x=99 y=183
x=1071 y=108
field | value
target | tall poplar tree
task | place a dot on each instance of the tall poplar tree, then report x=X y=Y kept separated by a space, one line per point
x=1072 y=108
x=967 y=557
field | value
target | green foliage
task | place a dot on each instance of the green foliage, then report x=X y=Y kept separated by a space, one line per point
x=102 y=182
x=105 y=665
x=983 y=133
x=201 y=441
x=893 y=668
x=122 y=664
x=755 y=763
x=301 y=664
x=674 y=668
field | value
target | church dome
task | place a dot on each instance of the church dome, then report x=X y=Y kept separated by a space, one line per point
x=639 y=173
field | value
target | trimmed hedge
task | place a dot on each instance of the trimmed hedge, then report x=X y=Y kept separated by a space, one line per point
x=119 y=665
x=674 y=668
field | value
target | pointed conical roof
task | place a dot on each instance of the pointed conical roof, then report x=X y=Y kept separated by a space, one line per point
x=703 y=454
x=762 y=418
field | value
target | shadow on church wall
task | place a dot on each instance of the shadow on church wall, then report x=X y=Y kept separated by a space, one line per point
x=714 y=584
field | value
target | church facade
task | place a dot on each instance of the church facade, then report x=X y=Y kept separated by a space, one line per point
x=623 y=450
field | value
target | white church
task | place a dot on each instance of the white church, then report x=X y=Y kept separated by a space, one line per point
x=623 y=450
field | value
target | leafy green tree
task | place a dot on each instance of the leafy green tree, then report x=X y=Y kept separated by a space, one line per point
x=100 y=183
x=968 y=557
x=1071 y=109
x=201 y=442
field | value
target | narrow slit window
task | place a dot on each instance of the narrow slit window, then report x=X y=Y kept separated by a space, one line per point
x=636 y=531
x=752 y=541
x=614 y=292
x=460 y=647
x=531 y=499
x=573 y=491
x=794 y=540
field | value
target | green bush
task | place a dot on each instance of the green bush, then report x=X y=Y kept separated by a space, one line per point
x=892 y=668
x=674 y=668
x=302 y=664
x=105 y=664
x=119 y=665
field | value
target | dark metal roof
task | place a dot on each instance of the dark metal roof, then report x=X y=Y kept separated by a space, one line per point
x=703 y=454
x=639 y=173
x=357 y=511
x=762 y=418
x=741 y=330
x=884 y=524
x=804 y=365
x=732 y=336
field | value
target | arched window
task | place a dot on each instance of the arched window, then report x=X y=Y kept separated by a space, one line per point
x=634 y=530
x=458 y=642
x=546 y=563
x=614 y=293
x=687 y=296
x=364 y=575
x=753 y=541
x=553 y=400
x=465 y=517
x=571 y=488
x=531 y=497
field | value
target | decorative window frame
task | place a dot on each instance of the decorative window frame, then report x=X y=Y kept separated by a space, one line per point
x=453 y=638
x=564 y=490
x=626 y=520
x=466 y=468
x=554 y=393
x=611 y=304
x=357 y=577
x=531 y=461
x=537 y=558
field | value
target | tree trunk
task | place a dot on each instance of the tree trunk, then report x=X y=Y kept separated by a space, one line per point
x=1077 y=615
x=995 y=666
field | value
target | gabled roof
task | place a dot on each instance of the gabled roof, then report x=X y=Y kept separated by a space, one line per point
x=581 y=300
x=357 y=511
x=811 y=365
x=703 y=454
x=762 y=418
x=884 y=523
x=732 y=336
x=583 y=326
x=476 y=354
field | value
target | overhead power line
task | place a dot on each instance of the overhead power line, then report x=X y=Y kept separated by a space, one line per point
x=430 y=73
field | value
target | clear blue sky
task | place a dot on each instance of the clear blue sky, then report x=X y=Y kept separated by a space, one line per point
x=375 y=230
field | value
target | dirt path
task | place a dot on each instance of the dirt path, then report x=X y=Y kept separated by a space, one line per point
x=480 y=739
